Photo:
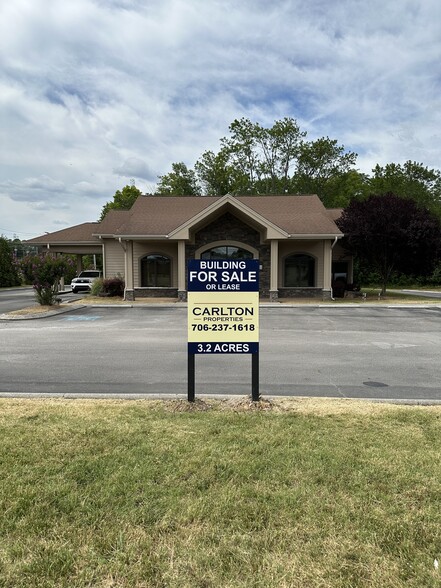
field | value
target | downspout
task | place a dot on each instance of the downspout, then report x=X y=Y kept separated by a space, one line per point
x=332 y=247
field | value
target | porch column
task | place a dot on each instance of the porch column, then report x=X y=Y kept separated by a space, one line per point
x=79 y=263
x=103 y=251
x=274 y=271
x=129 y=293
x=327 y=270
x=182 y=292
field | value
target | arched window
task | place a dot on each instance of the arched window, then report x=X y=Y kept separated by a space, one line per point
x=299 y=271
x=227 y=252
x=155 y=271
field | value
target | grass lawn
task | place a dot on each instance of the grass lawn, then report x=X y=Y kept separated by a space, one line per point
x=290 y=493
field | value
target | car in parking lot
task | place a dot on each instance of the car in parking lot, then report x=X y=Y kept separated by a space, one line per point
x=84 y=280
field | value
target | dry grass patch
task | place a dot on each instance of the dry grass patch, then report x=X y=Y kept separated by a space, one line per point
x=37 y=310
x=99 y=300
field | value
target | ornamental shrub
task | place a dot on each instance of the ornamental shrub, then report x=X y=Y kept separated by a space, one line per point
x=113 y=286
x=44 y=272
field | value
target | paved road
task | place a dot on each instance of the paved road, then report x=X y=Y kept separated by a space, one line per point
x=17 y=298
x=360 y=352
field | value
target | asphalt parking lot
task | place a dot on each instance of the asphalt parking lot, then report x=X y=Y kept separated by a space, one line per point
x=359 y=352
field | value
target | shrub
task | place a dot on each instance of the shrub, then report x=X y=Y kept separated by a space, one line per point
x=97 y=287
x=113 y=286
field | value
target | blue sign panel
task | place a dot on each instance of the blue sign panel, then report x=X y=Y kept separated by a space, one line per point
x=223 y=347
x=223 y=275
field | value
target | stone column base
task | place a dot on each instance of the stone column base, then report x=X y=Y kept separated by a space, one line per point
x=129 y=295
x=182 y=295
x=327 y=294
x=274 y=295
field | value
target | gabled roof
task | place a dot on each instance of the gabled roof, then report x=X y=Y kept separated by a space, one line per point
x=176 y=217
x=279 y=216
x=238 y=207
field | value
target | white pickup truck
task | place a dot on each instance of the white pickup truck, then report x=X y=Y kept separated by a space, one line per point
x=84 y=280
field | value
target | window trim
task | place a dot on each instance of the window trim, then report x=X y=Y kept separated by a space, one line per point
x=228 y=243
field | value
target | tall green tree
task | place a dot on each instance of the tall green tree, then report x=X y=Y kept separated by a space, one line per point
x=409 y=180
x=322 y=168
x=216 y=175
x=388 y=233
x=8 y=270
x=254 y=159
x=122 y=200
x=263 y=157
x=181 y=181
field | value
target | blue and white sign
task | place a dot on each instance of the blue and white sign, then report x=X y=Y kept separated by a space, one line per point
x=223 y=306
x=224 y=275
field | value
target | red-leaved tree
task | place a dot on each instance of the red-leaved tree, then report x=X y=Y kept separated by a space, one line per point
x=392 y=234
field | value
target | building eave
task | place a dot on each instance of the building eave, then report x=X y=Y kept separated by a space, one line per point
x=316 y=236
x=139 y=237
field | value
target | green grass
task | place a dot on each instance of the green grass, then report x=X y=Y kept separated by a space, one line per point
x=163 y=494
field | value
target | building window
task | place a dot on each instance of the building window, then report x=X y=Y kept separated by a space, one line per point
x=155 y=271
x=299 y=271
x=227 y=252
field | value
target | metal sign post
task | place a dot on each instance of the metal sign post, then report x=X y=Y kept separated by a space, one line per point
x=223 y=313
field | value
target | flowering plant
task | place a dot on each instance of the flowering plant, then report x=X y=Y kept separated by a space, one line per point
x=44 y=272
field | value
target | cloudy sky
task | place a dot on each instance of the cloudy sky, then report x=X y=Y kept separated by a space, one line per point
x=94 y=93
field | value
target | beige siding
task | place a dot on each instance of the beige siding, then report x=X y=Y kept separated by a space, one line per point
x=142 y=248
x=114 y=258
x=314 y=248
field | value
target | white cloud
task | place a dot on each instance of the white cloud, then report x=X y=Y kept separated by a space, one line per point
x=93 y=93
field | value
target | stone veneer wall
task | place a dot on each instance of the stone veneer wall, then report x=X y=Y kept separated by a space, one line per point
x=156 y=293
x=229 y=228
x=301 y=293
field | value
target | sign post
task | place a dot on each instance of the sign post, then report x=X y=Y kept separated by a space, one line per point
x=223 y=313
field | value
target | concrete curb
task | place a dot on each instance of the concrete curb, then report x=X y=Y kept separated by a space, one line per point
x=157 y=396
x=40 y=315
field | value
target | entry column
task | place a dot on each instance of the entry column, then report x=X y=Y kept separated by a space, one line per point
x=182 y=292
x=274 y=271
x=128 y=259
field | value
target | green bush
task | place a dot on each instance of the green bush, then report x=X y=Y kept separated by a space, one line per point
x=97 y=287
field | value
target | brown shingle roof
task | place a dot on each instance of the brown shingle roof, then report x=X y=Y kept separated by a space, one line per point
x=335 y=213
x=160 y=215
x=73 y=234
x=112 y=221
x=296 y=215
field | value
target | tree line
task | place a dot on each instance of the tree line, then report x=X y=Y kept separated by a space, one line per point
x=254 y=159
